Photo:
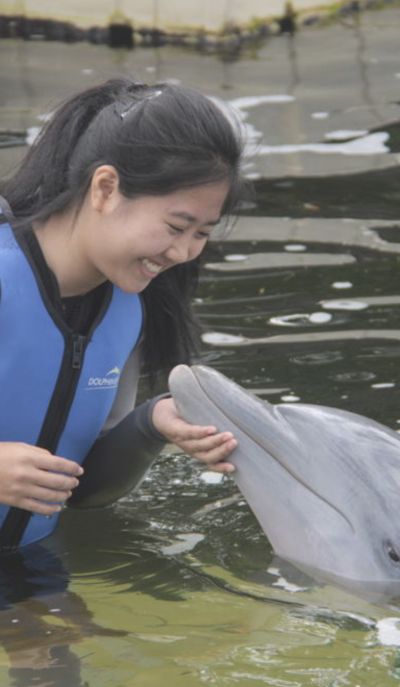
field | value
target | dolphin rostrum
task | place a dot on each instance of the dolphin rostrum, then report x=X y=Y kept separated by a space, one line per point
x=323 y=483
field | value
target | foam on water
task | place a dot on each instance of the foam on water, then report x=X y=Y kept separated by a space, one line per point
x=345 y=304
x=372 y=144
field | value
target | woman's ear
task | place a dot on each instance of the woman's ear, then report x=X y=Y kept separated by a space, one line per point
x=104 y=188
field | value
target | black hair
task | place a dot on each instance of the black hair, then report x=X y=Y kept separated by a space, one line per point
x=160 y=139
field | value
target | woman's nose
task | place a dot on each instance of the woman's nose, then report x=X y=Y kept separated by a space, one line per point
x=180 y=249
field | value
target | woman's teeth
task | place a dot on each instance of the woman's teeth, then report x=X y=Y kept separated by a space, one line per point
x=151 y=266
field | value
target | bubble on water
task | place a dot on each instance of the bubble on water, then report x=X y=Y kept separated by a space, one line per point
x=320 y=317
x=320 y=115
x=220 y=338
x=345 y=304
x=383 y=385
x=295 y=247
x=283 y=582
x=299 y=319
x=288 y=586
x=289 y=320
x=374 y=143
x=342 y=285
x=210 y=477
x=255 y=100
x=360 y=376
x=344 y=134
x=235 y=257
x=388 y=631
x=183 y=543
x=253 y=176
x=320 y=358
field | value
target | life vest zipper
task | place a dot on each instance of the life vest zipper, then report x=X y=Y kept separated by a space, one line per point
x=17 y=519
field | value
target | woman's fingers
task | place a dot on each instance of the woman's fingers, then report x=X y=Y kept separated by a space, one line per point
x=33 y=479
x=51 y=496
x=40 y=507
x=203 y=442
x=225 y=468
x=211 y=451
x=44 y=460
x=54 y=480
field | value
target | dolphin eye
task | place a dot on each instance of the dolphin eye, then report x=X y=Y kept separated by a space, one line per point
x=392 y=552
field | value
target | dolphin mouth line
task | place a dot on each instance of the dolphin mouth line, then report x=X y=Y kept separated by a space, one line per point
x=274 y=457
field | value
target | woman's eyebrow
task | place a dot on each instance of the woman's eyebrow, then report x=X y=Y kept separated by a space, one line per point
x=192 y=219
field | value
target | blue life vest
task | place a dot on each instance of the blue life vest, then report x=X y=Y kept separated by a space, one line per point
x=34 y=341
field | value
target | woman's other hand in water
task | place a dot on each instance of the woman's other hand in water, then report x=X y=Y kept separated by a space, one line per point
x=33 y=479
x=202 y=442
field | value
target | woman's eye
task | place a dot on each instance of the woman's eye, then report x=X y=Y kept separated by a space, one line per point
x=179 y=230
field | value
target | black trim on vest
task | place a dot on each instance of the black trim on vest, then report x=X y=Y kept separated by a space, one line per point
x=17 y=519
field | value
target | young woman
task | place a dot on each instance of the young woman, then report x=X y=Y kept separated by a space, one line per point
x=117 y=197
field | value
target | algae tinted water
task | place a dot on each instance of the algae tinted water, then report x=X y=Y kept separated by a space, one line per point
x=176 y=583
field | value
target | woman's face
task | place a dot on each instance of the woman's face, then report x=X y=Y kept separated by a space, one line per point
x=129 y=242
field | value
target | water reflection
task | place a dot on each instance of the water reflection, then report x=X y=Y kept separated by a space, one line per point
x=264 y=261
x=365 y=195
x=299 y=302
x=41 y=619
x=372 y=234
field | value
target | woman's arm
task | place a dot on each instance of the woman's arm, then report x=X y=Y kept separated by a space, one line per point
x=133 y=438
x=119 y=460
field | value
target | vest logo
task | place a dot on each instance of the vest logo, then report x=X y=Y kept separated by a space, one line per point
x=109 y=381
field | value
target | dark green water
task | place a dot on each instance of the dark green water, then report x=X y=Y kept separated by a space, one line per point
x=176 y=584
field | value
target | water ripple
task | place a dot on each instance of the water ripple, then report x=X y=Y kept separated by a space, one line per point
x=257 y=261
x=221 y=339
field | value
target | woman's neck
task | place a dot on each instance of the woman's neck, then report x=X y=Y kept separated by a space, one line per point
x=58 y=238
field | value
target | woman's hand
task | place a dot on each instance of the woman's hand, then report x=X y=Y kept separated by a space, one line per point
x=202 y=442
x=33 y=479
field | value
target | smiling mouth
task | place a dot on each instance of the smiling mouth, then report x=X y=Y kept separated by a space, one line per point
x=151 y=267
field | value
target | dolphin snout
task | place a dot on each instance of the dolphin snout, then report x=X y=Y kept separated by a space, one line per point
x=180 y=375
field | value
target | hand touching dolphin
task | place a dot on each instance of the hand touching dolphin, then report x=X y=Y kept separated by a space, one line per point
x=324 y=483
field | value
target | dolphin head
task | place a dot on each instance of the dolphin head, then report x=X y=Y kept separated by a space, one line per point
x=323 y=483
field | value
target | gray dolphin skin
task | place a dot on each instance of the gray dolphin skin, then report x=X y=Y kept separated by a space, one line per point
x=323 y=483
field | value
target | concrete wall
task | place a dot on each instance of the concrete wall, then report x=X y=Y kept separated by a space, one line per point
x=163 y=14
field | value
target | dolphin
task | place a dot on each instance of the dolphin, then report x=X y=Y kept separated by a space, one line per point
x=323 y=483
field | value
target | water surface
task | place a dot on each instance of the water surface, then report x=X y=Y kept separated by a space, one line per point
x=176 y=584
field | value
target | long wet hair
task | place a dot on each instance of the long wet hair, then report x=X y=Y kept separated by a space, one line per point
x=160 y=139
